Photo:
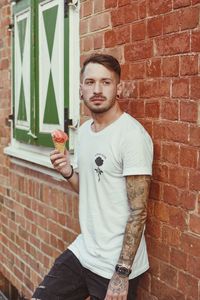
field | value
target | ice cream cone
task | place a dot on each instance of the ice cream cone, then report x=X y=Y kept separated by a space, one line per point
x=59 y=139
x=59 y=146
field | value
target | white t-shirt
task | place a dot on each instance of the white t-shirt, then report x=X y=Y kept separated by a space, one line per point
x=104 y=158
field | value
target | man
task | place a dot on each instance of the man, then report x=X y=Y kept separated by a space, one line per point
x=112 y=177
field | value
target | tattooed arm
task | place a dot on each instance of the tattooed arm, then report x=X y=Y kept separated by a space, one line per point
x=137 y=191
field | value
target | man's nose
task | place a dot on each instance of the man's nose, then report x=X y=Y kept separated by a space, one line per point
x=97 y=88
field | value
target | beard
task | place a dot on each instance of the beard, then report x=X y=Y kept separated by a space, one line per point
x=98 y=108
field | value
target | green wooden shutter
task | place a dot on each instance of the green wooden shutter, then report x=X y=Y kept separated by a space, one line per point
x=22 y=71
x=41 y=68
x=52 y=66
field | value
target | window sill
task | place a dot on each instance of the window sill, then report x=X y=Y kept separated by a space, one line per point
x=35 y=158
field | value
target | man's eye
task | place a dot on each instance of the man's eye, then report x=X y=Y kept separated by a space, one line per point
x=106 y=82
x=89 y=82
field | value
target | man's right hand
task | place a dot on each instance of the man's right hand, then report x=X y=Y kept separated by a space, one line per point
x=61 y=162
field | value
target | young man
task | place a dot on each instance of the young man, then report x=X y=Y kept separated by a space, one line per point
x=112 y=177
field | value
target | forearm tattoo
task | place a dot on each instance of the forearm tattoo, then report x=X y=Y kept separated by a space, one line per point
x=137 y=191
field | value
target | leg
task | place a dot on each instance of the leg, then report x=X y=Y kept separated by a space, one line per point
x=64 y=281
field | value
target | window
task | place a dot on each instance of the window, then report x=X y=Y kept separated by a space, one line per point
x=45 y=54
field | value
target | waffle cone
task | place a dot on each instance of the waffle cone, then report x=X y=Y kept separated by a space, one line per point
x=59 y=146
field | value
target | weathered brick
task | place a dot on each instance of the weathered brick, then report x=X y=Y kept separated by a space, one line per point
x=155 y=26
x=138 y=31
x=171 y=195
x=168 y=274
x=173 y=44
x=194 y=136
x=153 y=67
x=110 y=3
x=189 y=18
x=137 y=70
x=190 y=244
x=154 y=88
x=188 y=284
x=157 y=7
x=123 y=35
x=188 y=157
x=195 y=41
x=152 y=109
x=169 y=110
x=170 y=66
x=178 y=259
x=181 y=3
x=171 y=22
x=189 y=65
x=171 y=236
x=138 y=51
x=178 y=177
x=180 y=88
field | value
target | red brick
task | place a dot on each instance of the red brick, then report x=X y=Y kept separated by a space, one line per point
x=169 y=110
x=155 y=190
x=163 y=291
x=161 y=211
x=171 y=22
x=123 y=2
x=155 y=26
x=194 y=180
x=188 y=200
x=170 y=66
x=98 y=6
x=171 y=195
x=98 y=41
x=176 y=132
x=110 y=38
x=173 y=44
x=189 y=18
x=178 y=218
x=168 y=274
x=195 y=88
x=123 y=35
x=142 y=9
x=160 y=172
x=99 y=21
x=158 y=249
x=138 y=31
x=137 y=108
x=157 y=7
x=188 y=111
x=131 y=13
x=193 y=264
x=137 y=70
x=194 y=223
x=117 y=17
x=178 y=259
x=188 y=157
x=189 y=65
x=152 y=109
x=87 y=8
x=188 y=284
x=138 y=51
x=171 y=236
x=195 y=2
x=195 y=41
x=181 y=3
x=190 y=244
x=153 y=228
x=180 y=88
x=194 y=136
x=154 y=88
x=170 y=153
x=153 y=67
x=110 y=3
x=178 y=177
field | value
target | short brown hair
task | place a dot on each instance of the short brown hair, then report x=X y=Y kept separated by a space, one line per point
x=108 y=61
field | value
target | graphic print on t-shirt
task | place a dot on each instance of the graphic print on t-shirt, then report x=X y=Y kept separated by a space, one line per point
x=99 y=160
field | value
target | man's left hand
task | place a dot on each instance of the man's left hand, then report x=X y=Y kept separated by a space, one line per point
x=117 y=288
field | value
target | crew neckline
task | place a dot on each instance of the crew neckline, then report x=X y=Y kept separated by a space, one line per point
x=102 y=131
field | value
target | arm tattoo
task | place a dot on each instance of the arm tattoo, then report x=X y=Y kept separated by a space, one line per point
x=137 y=191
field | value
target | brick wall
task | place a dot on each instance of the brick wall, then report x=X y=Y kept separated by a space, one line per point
x=158 y=44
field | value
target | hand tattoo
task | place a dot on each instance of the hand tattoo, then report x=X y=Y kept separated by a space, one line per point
x=118 y=285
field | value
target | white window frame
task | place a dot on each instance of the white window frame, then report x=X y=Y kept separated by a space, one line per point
x=23 y=153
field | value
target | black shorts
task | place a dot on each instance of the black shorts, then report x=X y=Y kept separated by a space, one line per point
x=69 y=280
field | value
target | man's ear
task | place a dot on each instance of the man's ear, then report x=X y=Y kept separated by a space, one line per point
x=80 y=92
x=119 y=89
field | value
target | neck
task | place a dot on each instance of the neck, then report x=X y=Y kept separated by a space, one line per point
x=101 y=120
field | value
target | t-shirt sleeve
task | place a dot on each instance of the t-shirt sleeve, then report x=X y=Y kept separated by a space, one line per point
x=137 y=153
